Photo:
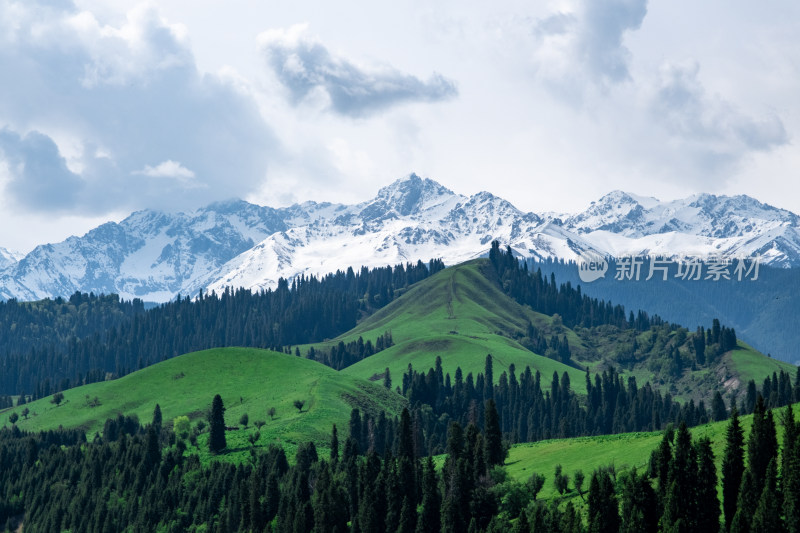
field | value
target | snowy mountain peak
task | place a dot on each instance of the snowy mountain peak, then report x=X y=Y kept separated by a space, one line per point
x=9 y=258
x=412 y=195
x=617 y=212
x=617 y=197
x=155 y=255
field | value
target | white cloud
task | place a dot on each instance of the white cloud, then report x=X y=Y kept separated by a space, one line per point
x=167 y=169
x=657 y=119
x=583 y=45
x=126 y=95
x=305 y=67
x=557 y=102
x=706 y=128
x=38 y=173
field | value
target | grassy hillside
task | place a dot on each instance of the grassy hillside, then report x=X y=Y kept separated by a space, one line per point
x=746 y=363
x=457 y=314
x=461 y=314
x=249 y=381
x=624 y=451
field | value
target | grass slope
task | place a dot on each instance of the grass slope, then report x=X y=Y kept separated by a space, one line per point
x=624 y=451
x=457 y=314
x=747 y=363
x=249 y=381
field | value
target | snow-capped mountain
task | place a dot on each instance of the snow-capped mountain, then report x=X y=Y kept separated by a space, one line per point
x=621 y=223
x=149 y=255
x=8 y=258
x=154 y=256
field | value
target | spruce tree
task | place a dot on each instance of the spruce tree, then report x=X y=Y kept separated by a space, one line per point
x=639 y=504
x=680 y=506
x=488 y=377
x=216 y=422
x=334 y=445
x=329 y=502
x=602 y=503
x=371 y=512
x=430 y=516
x=767 y=517
x=495 y=454
x=732 y=467
x=408 y=516
x=453 y=515
x=157 y=418
x=790 y=471
x=718 y=411
x=708 y=511
x=762 y=445
x=153 y=455
x=745 y=505
x=405 y=439
x=660 y=459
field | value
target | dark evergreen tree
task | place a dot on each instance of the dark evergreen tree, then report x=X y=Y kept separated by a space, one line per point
x=790 y=471
x=602 y=502
x=732 y=467
x=660 y=460
x=488 y=377
x=762 y=444
x=453 y=515
x=745 y=505
x=767 y=517
x=680 y=506
x=495 y=453
x=334 y=445
x=718 y=411
x=372 y=509
x=708 y=509
x=639 y=504
x=157 y=418
x=430 y=515
x=329 y=503
x=216 y=423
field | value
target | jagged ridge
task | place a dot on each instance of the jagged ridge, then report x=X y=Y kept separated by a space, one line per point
x=154 y=256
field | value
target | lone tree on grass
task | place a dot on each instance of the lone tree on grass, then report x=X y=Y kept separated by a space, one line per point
x=244 y=420
x=57 y=398
x=299 y=405
x=272 y=412
x=13 y=417
x=216 y=420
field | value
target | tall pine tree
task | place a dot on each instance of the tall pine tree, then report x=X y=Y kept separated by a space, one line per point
x=790 y=471
x=216 y=421
x=762 y=445
x=732 y=467
x=495 y=454
x=602 y=502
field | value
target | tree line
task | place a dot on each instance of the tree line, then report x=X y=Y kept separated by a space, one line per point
x=91 y=338
x=138 y=477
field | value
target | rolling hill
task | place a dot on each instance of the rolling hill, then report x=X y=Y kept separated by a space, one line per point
x=624 y=451
x=460 y=315
x=249 y=381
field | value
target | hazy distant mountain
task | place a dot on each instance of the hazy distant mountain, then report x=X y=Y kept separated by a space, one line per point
x=154 y=256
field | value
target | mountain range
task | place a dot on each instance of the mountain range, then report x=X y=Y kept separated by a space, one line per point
x=154 y=255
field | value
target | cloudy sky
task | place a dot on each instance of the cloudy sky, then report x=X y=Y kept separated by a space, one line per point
x=109 y=107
